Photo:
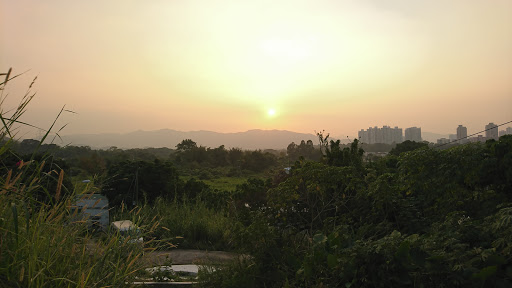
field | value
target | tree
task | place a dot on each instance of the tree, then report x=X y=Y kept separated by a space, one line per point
x=189 y=152
x=407 y=146
x=257 y=161
x=186 y=145
x=352 y=156
x=291 y=151
x=218 y=156
x=304 y=149
x=235 y=156
x=93 y=164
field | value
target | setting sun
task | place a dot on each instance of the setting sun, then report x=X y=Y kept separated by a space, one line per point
x=292 y=65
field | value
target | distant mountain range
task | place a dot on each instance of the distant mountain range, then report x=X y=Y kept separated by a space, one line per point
x=252 y=139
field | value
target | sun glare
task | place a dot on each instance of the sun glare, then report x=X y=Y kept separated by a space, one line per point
x=286 y=50
x=271 y=112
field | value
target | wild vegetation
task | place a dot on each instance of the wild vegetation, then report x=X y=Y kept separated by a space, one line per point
x=420 y=216
x=42 y=242
x=424 y=218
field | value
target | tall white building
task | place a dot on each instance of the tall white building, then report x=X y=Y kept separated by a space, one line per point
x=507 y=131
x=491 y=131
x=413 y=134
x=397 y=135
x=462 y=133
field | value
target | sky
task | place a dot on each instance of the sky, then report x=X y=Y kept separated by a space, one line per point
x=232 y=66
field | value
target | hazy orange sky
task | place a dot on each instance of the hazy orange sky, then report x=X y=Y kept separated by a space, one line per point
x=224 y=65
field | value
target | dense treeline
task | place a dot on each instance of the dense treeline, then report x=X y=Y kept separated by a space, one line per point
x=188 y=157
x=85 y=161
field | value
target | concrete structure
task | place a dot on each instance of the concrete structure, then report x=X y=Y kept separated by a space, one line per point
x=363 y=136
x=413 y=134
x=443 y=141
x=478 y=138
x=398 y=135
x=94 y=209
x=386 y=135
x=491 y=131
x=507 y=131
x=462 y=134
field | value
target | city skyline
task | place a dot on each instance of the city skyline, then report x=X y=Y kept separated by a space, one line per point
x=388 y=135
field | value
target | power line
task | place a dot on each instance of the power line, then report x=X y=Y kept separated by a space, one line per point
x=494 y=127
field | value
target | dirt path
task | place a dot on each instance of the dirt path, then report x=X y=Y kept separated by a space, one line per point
x=180 y=256
x=176 y=256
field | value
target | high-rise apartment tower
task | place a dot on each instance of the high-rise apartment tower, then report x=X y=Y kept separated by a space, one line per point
x=491 y=131
x=413 y=134
x=462 y=133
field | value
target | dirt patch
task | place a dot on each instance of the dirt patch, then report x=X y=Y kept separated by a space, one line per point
x=175 y=256
x=180 y=256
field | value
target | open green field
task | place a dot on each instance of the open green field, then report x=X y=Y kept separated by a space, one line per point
x=222 y=183
x=226 y=183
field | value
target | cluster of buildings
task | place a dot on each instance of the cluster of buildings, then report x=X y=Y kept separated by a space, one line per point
x=461 y=136
x=491 y=132
x=507 y=131
x=388 y=135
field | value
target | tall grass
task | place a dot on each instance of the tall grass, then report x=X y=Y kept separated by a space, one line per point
x=191 y=225
x=40 y=244
x=41 y=248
